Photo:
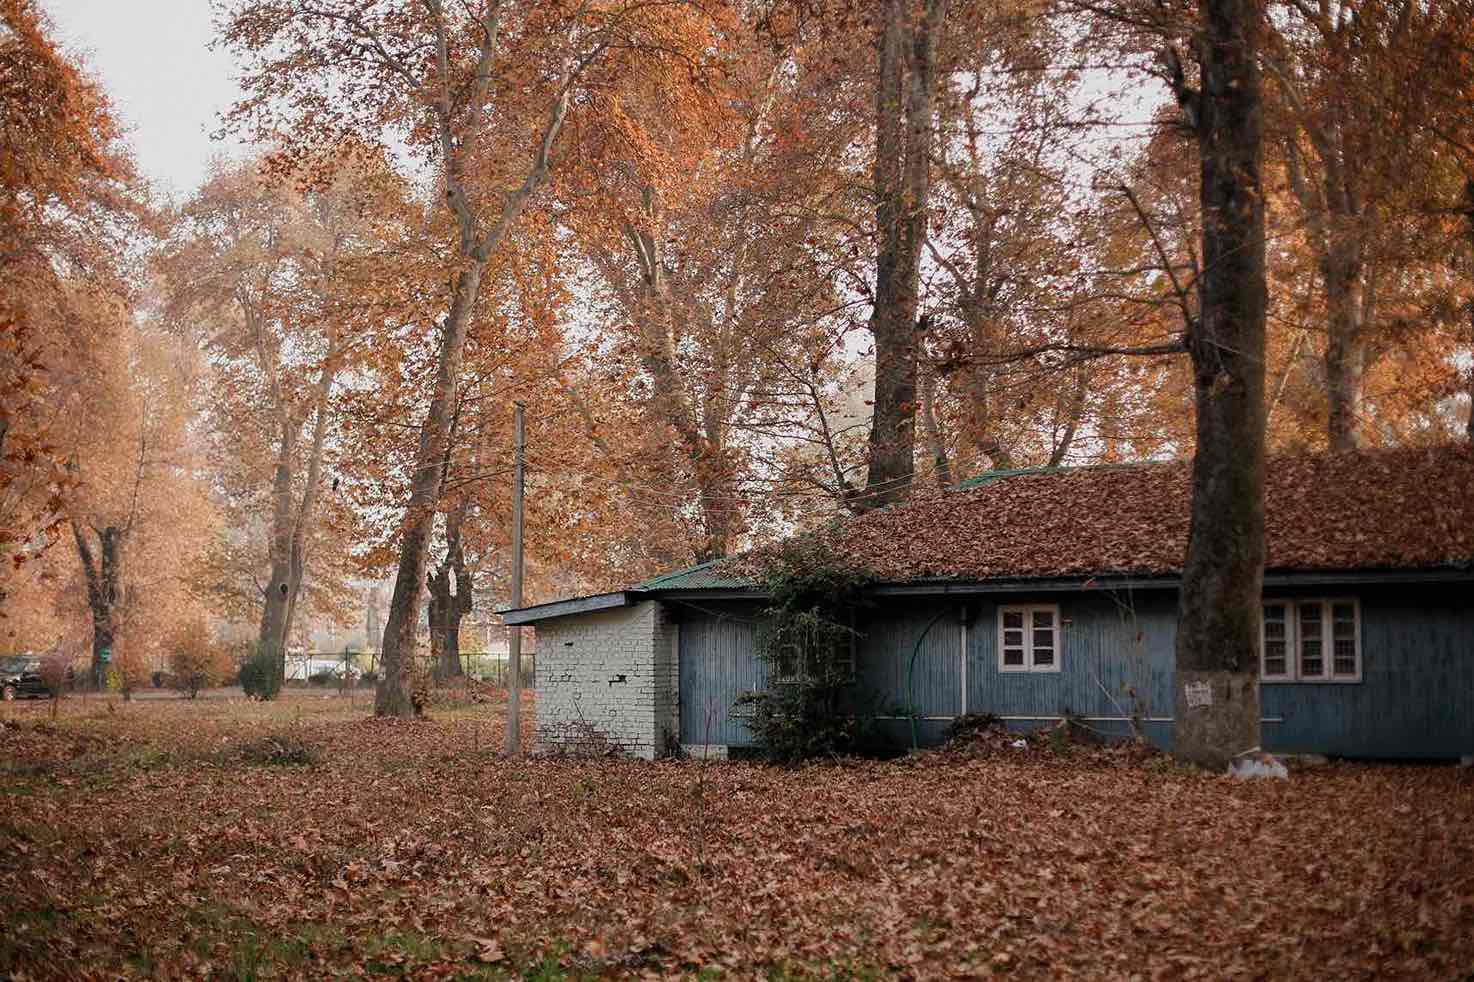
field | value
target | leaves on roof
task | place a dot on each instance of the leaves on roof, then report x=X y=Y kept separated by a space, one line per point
x=1407 y=508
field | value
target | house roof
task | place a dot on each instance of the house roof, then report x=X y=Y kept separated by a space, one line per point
x=1399 y=509
x=702 y=576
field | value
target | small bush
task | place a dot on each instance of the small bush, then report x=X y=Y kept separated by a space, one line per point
x=325 y=677
x=970 y=725
x=261 y=675
x=195 y=661
x=808 y=642
x=797 y=721
x=370 y=677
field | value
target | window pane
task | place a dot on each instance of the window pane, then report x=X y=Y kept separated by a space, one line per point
x=1312 y=652
x=1276 y=661
x=1043 y=618
x=1343 y=639
x=1013 y=618
x=1043 y=638
x=1013 y=639
x=1311 y=662
x=1043 y=656
x=1276 y=640
x=1013 y=656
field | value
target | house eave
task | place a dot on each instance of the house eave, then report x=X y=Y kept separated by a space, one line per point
x=1278 y=579
x=1273 y=579
x=565 y=608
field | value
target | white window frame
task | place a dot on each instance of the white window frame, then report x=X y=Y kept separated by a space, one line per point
x=1293 y=640
x=1288 y=675
x=1028 y=611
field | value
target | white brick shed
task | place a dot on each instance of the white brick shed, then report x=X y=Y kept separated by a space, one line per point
x=606 y=676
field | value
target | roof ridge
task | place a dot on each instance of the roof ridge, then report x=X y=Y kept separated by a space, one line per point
x=990 y=476
x=655 y=580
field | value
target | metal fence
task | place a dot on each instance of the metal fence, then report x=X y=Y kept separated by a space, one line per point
x=330 y=667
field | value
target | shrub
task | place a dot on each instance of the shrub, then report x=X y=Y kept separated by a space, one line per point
x=261 y=675
x=808 y=644
x=324 y=677
x=195 y=660
x=969 y=725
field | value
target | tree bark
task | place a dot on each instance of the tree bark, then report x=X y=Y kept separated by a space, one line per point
x=102 y=571
x=704 y=446
x=1341 y=267
x=474 y=248
x=392 y=697
x=451 y=598
x=1073 y=414
x=1216 y=713
x=281 y=589
x=1337 y=217
x=1469 y=215
x=291 y=518
x=904 y=97
x=941 y=464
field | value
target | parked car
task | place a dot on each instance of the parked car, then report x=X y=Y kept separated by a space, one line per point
x=20 y=676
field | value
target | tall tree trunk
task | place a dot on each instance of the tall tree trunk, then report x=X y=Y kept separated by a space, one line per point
x=941 y=464
x=451 y=598
x=1469 y=214
x=392 y=697
x=979 y=429
x=1336 y=218
x=904 y=97
x=659 y=318
x=282 y=588
x=475 y=245
x=1342 y=269
x=102 y=571
x=307 y=506
x=1216 y=713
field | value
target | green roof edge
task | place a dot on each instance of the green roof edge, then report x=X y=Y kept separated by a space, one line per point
x=671 y=580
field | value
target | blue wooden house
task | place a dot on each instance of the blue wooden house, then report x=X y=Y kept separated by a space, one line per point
x=1038 y=594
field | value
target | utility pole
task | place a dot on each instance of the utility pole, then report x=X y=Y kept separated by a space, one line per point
x=514 y=634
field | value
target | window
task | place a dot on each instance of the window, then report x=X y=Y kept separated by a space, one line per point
x=1028 y=638
x=1276 y=641
x=815 y=650
x=1310 y=641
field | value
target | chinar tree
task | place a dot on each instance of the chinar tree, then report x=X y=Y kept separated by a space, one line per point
x=485 y=92
x=1216 y=712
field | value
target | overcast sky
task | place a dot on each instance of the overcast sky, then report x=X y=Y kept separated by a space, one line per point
x=154 y=58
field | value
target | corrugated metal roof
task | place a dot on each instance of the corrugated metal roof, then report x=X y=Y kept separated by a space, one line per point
x=988 y=477
x=702 y=576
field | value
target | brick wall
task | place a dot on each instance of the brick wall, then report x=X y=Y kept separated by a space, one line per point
x=608 y=678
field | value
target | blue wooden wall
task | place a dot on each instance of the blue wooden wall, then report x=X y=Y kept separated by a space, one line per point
x=1416 y=697
x=717 y=665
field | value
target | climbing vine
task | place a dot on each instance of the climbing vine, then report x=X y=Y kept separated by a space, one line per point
x=808 y=642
